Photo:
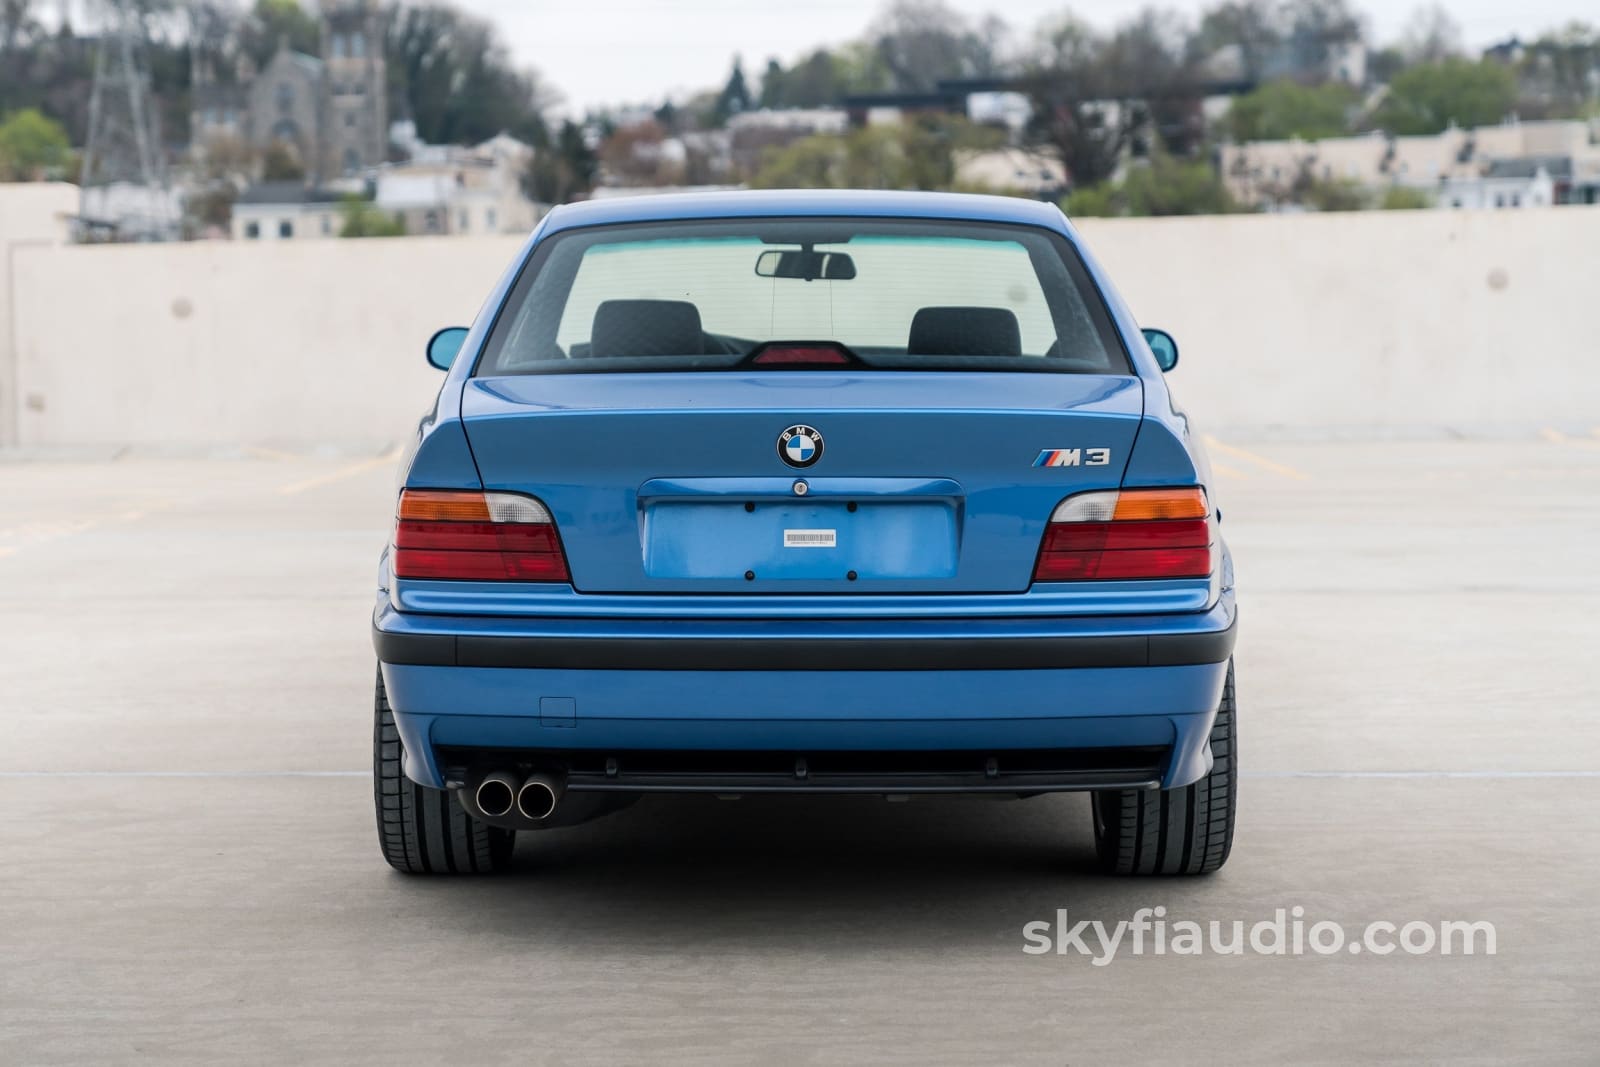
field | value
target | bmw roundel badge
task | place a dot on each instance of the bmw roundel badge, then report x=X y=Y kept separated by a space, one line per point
x=800 y=446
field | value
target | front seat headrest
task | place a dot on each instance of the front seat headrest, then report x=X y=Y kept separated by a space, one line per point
x=958 y=331
x=646 y=328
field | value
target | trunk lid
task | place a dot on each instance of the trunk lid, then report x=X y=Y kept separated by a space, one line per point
x=938 y=482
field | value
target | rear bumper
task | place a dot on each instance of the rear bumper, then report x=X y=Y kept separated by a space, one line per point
x=464 y=689
x=943 y=653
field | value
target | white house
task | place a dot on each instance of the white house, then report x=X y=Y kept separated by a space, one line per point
x=283 y=211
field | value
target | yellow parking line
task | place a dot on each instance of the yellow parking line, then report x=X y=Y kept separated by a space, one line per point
x=1230 y=472
x=270 y=453
x=1556 y=437
x=1260 y=461
x=341 y=474
x=7 y=551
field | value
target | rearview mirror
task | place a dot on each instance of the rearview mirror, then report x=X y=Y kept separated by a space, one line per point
x=1164 y=347
x=795 y=263
x=443 y=346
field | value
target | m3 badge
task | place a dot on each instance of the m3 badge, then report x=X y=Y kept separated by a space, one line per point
x=1074 y=457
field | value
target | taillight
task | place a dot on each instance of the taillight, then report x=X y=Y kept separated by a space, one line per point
x=1127 y=533
x=497 y=537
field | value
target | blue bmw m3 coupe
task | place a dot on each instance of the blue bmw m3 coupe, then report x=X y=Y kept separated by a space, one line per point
x=873 y=493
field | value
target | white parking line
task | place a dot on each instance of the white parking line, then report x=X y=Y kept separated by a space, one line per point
x=1420 y=774
x=185 y=774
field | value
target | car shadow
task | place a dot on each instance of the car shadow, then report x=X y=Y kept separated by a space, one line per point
x=801 y=873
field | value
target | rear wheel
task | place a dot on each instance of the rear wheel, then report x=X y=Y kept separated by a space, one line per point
x=422 y=830
x=1174 y=831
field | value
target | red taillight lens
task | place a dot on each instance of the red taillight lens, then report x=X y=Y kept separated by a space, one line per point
x=475 y=536
x=1128 y=533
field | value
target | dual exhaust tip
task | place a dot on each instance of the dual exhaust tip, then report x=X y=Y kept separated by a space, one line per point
x=533 y=797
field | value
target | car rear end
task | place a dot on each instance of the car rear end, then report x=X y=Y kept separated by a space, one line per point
x=801 y=493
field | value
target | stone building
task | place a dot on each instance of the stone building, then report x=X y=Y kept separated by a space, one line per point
x=328 y=110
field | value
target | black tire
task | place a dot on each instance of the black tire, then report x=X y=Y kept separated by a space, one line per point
x=1175 y=831
x=422 y=830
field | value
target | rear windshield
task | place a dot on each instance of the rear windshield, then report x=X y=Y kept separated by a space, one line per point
x=780 y=294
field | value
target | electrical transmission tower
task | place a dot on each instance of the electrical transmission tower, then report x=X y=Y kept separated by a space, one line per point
x=123 y=185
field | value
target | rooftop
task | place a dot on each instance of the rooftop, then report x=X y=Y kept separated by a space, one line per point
x=290 y=192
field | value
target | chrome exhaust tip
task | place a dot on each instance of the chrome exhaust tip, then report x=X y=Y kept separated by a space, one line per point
x=538 y=796
x=496 y=794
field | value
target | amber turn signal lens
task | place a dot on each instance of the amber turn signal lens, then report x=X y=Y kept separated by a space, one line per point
x=1134 y=505
x=442 y=505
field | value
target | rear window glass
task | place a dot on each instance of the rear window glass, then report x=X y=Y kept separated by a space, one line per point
x=873 y=293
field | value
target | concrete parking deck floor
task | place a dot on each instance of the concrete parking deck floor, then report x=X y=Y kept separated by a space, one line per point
x=189 y=873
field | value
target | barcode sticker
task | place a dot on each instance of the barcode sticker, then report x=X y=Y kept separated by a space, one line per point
x=810 y=539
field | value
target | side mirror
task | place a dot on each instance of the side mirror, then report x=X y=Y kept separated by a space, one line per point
x=443 y=346
x=1164 y=347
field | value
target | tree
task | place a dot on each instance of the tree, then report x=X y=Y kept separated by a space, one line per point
x=916 y=154
x=563 y=167
x=632 y=154
x=1557 y=75
x=1427 y=99
x=32 y=146
x=1070 y=112
x=735 y=96
x=1314 y=30
x=1283 y=109
x=1251 y=26
x=1431 y=36
x=1163 y=186
x=922 y=42
x=363 y=219
x=280 y=163
x=275 y=22
x=450 y=73
x=1097 y=100
x=16 y=24
x=823 y=77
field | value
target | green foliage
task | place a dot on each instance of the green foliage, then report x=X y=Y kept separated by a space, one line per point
x=1337 y=194
x=275 y=22
x=1426 y=99
x=1283 y=109
x=363 y=219
x=280 y=163
x=32 y=147
x=1094 y=201
x=916 y=154
x=824 y=77
x=1164 y=186
x=1404 y=198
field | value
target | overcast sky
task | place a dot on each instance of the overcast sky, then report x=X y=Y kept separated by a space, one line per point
x=609 y=51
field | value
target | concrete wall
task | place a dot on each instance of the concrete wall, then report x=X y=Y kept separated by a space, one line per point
x=1368 y=324
x=31 y=213
x=288 y=344
x=1478 y=322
